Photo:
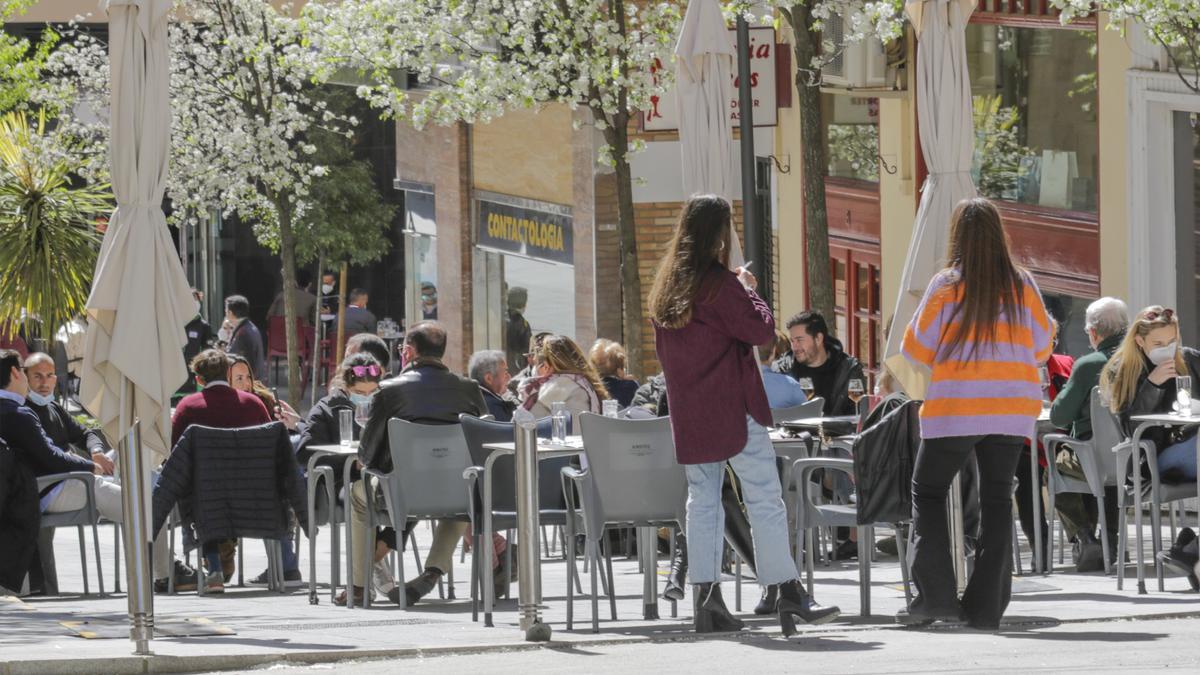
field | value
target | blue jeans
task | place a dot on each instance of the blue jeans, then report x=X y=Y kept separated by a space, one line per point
x=1177 y=463
x=763 y=495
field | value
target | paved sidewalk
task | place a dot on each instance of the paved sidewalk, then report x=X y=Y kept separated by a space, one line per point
x=268 y=627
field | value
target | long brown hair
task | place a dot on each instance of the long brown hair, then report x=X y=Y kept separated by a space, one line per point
x=564 y=356
x=989 y=281
x=1124 y=371
x=257 y=388
x=701 y=238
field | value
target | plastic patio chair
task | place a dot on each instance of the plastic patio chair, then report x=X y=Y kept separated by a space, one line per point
x=810 y=408
x=632 y=480
x=79 y=518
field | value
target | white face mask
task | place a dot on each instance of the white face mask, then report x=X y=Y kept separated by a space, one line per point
x=223 y=334
x=38 y=399
x=326 y=288
x=1161 y=355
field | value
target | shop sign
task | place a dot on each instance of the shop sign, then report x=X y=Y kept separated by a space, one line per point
x=528 y=232
x=663 y=114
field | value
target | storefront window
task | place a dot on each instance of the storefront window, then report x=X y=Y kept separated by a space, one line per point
x=420 y=227
x=1035 y=110
x=851 y=136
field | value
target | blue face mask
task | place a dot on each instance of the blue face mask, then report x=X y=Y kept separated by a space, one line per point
x=360 y=399
x=38 y=399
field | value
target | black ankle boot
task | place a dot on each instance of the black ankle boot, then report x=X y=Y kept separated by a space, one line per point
x=679 y=566
x=711 y=614
x=795 y=602
x=770 y=598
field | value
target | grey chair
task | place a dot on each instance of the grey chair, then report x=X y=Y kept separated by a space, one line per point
x=632 y=480
x=426 y=482
x=495 y=506
x=79 y=519
x=811 y=515
x=1098 y=457
x=324 y=509
x=811 y=408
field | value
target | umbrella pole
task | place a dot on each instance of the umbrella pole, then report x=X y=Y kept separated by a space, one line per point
x=315 y=355
x=137 y=547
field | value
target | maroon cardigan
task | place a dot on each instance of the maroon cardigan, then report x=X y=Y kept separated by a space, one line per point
x=219 y=406
x=713 y=381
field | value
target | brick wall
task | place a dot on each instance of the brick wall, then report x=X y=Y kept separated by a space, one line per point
x=608 y=259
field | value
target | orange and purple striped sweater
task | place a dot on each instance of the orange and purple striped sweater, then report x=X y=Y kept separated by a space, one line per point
x=979 y=389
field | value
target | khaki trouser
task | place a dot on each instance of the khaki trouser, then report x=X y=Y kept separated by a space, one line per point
x=73 y=496
x=1070 y=505
x=441 y=552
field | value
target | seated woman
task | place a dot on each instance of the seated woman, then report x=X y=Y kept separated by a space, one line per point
x=562 y=374
x=783 y=391
x=1140 y=379
x=608 y=357
x=241 y=377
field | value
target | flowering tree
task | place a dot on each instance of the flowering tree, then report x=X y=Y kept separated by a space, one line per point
x=1174 y=24
x=883 y=19
x=590 y=53
x=20 y=62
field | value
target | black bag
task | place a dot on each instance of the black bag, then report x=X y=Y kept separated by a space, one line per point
x=884 y=456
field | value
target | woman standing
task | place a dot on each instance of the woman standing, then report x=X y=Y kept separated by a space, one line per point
x=562 y=374
x=983 y=332
x=1140 y=380
x=706 y=323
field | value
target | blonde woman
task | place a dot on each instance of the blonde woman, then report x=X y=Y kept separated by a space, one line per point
x=1140 y=379
x=609 y=359
x=562 y=374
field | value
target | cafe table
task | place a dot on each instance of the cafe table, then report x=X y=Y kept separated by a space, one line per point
x=1145 y=423
x=1043 y=428
x=317 y=452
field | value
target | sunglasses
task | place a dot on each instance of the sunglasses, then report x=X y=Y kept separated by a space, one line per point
x=363 y=371
x=1165 y=315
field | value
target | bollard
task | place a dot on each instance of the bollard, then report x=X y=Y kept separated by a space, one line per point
x=528 y=563
x=137 y=546
x=957 y=545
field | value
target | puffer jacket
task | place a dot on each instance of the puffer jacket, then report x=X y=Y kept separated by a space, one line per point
x=1151 y=398
x=425 y=392
x=321 y=425
x=232 y=483
x=19 y=518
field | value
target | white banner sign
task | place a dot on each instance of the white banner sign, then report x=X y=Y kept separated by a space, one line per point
x=663 y=115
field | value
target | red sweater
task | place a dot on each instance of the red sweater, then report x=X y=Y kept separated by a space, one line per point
x=713 y=380
x=219 y=406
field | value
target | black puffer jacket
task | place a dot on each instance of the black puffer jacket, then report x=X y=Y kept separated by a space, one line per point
x=321 y=425
x=19 y=518
x=232 y=483
x=426 y=392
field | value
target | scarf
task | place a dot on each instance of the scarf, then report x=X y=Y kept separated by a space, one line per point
x=531 y=387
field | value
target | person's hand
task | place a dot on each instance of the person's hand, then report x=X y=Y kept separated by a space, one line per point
x=285 y=414
x=1163 y=373
x=746 y=277
x=103 y=466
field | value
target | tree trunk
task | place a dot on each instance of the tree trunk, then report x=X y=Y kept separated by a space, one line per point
x=814 y=165
x=616 y=134
x=287 y=254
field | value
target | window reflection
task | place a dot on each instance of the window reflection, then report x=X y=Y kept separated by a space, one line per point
x=851 y=136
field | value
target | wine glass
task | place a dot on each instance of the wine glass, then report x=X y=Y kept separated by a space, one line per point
x=806 y=385
x=855 y=390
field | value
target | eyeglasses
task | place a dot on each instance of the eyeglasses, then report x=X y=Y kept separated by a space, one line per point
x=363 y=371
x=1165 y=315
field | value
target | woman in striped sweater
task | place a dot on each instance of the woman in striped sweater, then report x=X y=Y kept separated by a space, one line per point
x=983 y=332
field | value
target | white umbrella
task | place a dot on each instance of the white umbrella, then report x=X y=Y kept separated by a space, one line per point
x=948 y=141
x=704 y=66
x=140 y=300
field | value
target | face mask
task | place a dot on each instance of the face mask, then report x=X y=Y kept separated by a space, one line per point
x=360 y=399
x=38 y=399
x=223 y=334
x=1161 y=355
x=326 y=288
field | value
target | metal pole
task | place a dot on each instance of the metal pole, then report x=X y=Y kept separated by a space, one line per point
x=529 y=566
x=137 y=545
x=750 y=221
x=957 y=545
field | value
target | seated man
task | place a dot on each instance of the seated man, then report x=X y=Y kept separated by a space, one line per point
x=425 y=392
x=359 y=319
x=303 y=299
x=220 y=406
x=819 y=356
x=489 y=368
x=1106 y=321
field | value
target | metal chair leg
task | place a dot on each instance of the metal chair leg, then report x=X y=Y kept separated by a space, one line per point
x=99 y=560
x=117 y=558
x=594 y=553
x=83 y=560
x=902 y=550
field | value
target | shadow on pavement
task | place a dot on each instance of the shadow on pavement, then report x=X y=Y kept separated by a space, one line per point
x=1116 y=596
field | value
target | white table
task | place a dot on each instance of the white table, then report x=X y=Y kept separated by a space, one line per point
x=330 y=450
x=1144 y=424
x=1043 y=428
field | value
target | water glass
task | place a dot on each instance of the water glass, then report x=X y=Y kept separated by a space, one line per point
x=558 y=422
x=362 y=413
x=610 y=408
x=1183 y=395
x=346 y=426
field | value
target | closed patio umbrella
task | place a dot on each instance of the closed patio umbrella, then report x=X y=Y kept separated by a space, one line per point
x=948 y=143
x=703 y=79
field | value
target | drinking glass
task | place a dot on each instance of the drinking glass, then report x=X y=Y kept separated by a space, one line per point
x=806 y=385
x=346 y=426
x=1044 y=381
x=856 y=390
x=558 y=422
x=1183 y=395
x=610 y=408
x=362 y=413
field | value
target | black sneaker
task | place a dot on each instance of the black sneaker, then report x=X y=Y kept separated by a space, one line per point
x=846 y=550
x=185 y=579
x=291 y=579
x=1183 y=557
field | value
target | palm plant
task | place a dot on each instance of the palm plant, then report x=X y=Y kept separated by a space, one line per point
x=48 y=236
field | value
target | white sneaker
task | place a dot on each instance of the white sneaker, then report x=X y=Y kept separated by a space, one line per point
x=381 y=577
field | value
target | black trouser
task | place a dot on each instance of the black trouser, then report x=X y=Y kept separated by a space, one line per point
x=1025 y=501
x=990 y=585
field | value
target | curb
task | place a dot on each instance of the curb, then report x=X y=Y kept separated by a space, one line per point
x=219 y=662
